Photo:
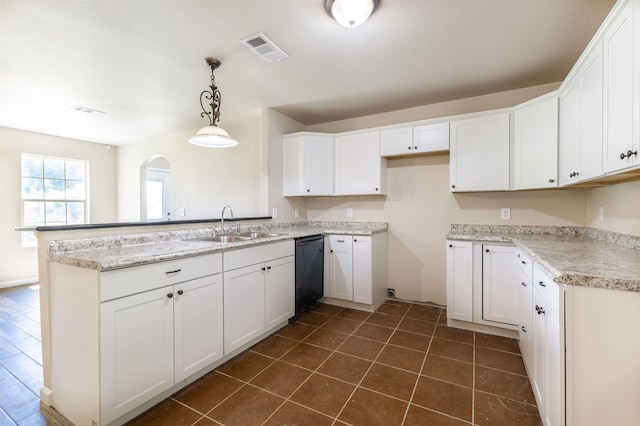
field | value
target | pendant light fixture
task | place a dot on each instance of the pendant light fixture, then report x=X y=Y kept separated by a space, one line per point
x=212 y=136
x=351 y=13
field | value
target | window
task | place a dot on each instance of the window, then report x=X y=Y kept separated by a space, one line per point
x=54 y=192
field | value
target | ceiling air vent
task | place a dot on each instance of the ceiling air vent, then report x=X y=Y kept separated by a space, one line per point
x=263 y=47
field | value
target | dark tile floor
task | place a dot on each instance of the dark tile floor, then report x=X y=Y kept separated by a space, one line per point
x=399 y=366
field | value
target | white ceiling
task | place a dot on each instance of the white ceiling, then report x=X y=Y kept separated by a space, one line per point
x=141 y=61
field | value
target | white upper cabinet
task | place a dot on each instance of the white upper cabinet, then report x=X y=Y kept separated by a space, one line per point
x=580 y=155
x=308 y=164
x=414 y=140
x=535 y=147
x=480 y=153
x=622 y=90
x=396 y=141
x=359 y=168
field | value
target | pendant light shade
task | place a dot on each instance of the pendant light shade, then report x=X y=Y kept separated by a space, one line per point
x=351 y=13
x=212 y=136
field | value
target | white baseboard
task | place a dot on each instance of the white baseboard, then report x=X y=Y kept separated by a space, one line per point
x=16 y=283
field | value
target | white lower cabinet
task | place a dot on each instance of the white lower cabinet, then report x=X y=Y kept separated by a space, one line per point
x=499 y=284
x=525 y=309
x=482 y=284
x=356 y=268
x=460 y=280
x=152 y=340
x=259 y=291
x=548 y=348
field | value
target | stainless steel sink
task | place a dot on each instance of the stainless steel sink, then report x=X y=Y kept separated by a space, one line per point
x=256 y=235
x=224 y=238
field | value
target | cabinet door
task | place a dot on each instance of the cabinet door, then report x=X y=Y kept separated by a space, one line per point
x=535 y=156
x=431 y=138
x=590 y=149
x=539 y=350
x=499 y=284
x=525 y=323
x=480 y=153
x=279 y=291
x=396 y=141
x=621 y=91
x=569 y=144
x=359 y=168
x=197 y=324
x=339 y=268
x=459 y=280
x=244 y=297
x=308 y=164
x=362 y=269
x=136 y=350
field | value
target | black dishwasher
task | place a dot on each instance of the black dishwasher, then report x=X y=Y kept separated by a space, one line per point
x=309 y=272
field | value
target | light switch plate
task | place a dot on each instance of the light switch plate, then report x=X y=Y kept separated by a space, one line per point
x=601 y=214
x=349 y=212
x=505 y=213
x=296 y=212
x=274 y=213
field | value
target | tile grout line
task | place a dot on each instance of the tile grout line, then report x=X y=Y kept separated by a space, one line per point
x=373 y=362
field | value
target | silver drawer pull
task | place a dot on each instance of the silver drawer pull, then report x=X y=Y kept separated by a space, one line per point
x=170 y=273
x=340 y=241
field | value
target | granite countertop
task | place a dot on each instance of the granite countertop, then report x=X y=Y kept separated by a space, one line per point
x=116 y=252
x=570 y=255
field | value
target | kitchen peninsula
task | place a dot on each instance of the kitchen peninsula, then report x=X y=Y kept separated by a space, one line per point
x=130 y=316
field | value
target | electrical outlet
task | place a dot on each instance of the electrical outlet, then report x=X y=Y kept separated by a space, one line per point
x=274 y=213
x=181 y=211
x=601 y=214
x=505 y=213
x=296 y=212
x=349 y=212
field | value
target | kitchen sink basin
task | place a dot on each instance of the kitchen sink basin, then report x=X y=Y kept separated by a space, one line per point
x=224 y=238
x=256 y=235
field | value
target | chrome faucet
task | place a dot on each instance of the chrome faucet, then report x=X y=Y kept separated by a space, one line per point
x=222 y=217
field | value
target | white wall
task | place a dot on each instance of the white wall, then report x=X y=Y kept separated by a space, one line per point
x=420 y=208
x=203 y=180
x=18 y=264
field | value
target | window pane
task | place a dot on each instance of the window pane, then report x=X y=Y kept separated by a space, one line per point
x=75 y=213
x=33 y=213
x=75 y=170
x=56 y=213
x=31 y=166
x=53 y=168
x=32 y=188
x=53 y=189
x=75 y=190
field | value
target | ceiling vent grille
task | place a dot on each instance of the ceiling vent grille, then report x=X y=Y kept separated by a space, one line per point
x=263 y=47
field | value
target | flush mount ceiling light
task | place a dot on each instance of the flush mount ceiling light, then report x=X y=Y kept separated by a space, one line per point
x=212 y=136
x=351 y=13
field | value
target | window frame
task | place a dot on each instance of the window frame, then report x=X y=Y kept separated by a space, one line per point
x=28 y=239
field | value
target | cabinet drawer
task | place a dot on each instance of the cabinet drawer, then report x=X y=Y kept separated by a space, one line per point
x=526 y=265
x=235 y=259
x=127 y=281
x=546 y=287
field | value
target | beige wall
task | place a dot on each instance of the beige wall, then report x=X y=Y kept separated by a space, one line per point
x=277 y=125
x=203 y=180
x=621 y=205
x=420 y=208
x=19 y=264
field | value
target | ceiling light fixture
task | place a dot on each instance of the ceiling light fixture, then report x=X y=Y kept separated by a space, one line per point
x=351 y=13
x=212 y=136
